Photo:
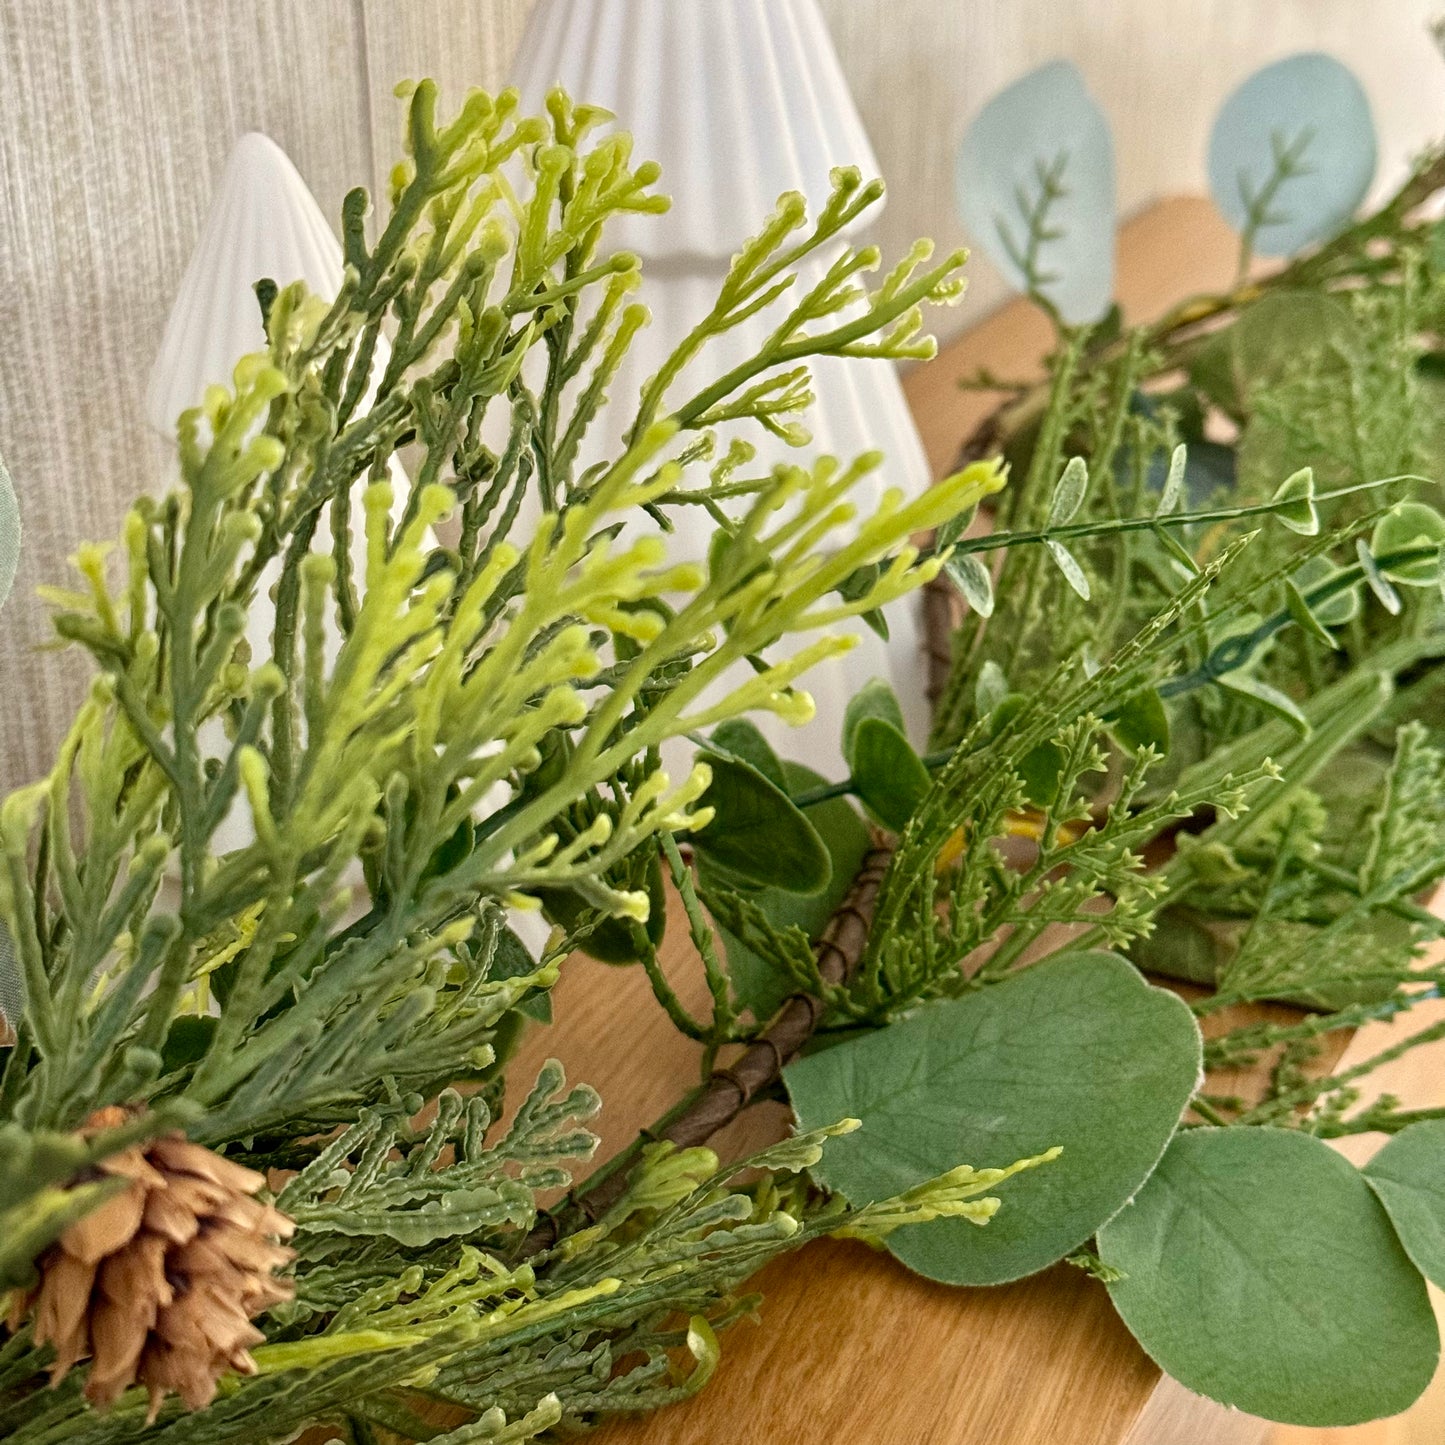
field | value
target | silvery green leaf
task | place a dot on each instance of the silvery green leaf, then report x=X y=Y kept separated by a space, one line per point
x=1388 y=598
x=1069 y=494
x=1294 y=503
x=1069 y=566
x=1292 y=153
x=1173 y=491
x=972 y=579
x=1034 y=179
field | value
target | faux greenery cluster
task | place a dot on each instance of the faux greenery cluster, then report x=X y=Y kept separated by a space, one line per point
x=1181 y=709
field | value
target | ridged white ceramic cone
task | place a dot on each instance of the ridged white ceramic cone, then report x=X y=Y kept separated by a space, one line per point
x=737 y=100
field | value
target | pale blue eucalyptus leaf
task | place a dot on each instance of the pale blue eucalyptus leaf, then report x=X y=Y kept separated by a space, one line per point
x=1034 y=180
x=1293 y=153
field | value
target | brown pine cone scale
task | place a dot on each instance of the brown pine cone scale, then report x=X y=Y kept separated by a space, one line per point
x=159 y=1285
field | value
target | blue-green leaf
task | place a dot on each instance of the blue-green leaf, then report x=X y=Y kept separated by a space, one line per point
x=1034 y=180
x=1077 y=1051
x=1271 y=699
x=1385 y=594
x=1140 y=721
x=1292 y=153
x=1260 y=1270
x=757 y=984
x=745 y=740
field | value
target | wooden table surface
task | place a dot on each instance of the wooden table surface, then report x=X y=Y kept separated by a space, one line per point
x=849 y=1346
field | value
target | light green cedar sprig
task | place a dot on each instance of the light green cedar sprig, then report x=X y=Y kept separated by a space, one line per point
x=409 y=747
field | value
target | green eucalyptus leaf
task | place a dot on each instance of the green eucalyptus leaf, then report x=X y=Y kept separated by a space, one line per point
x=1294 y=503
x=888 y=776
x=1068 y=564
x=1407 y=525
x=1077 y=1050
x=1265 y=341
x=874 y=699
x=757 y=832
x=1140 y=721
x=757 y=984
x=1408 y=1177
x=973 y=581
x=744 y=739
x=1261 y=1271
x=1271 y=699
x=1069 y=493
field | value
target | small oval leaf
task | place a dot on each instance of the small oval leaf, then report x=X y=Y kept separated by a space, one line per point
x=1408 y=1177
x=1069 y=493
x=972 y=579
x=888 y=776
x=1069 y=566
x=1292 y=153
x=1141 y=721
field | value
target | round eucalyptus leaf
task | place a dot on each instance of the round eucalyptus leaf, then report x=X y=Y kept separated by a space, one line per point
x=1260 y=1270
x=1407 y=525
x=1408 y=1176
x=888 y=775
x=758 y=985
x=1034 y=180
x=756 y=832
x=1292 y=153
x=1077 y=1051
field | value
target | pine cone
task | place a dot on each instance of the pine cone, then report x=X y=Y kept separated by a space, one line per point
x=158 y=1285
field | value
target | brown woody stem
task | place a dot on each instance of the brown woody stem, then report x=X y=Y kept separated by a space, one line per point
x=730 y=1089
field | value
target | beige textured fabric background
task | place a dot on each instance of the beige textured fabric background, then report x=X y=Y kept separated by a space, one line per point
x=116 y=117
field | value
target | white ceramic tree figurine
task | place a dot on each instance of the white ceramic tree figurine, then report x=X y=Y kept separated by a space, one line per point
x=739 y=101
